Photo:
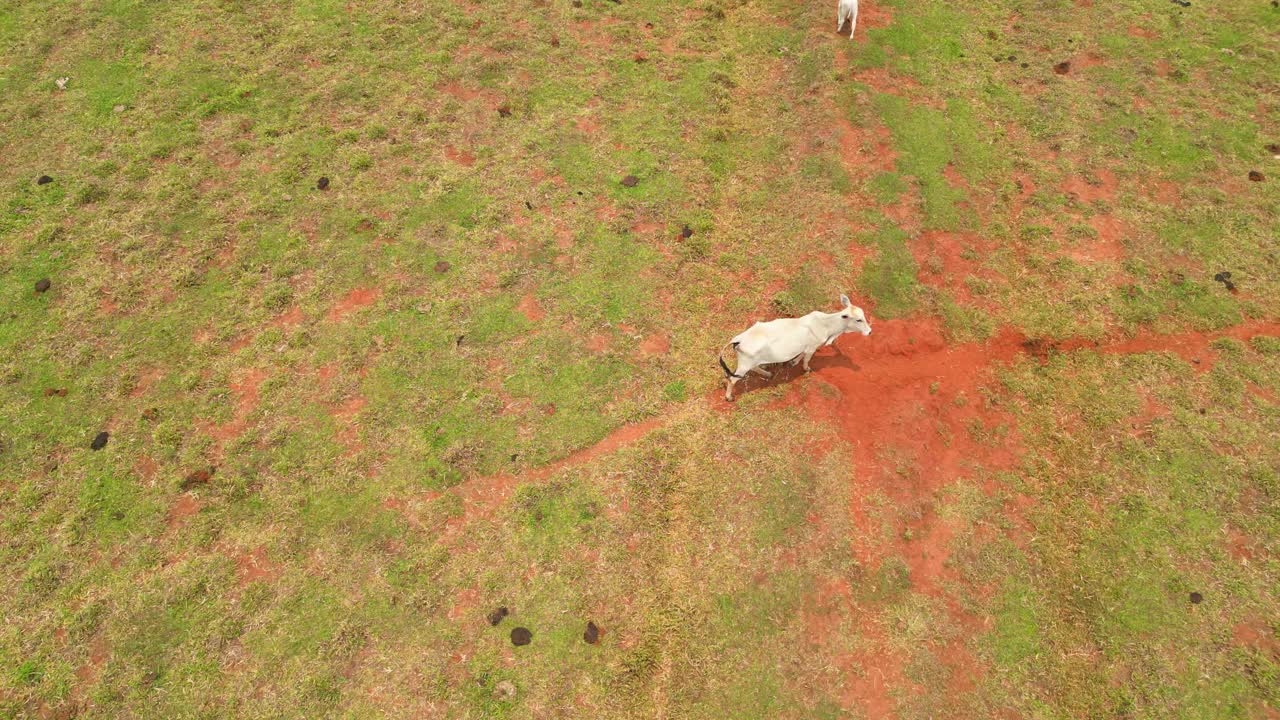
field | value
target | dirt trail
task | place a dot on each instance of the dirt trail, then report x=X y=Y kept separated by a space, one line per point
x=482 y=496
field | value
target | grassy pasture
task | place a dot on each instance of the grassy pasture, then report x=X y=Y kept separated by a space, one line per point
x=476 y=369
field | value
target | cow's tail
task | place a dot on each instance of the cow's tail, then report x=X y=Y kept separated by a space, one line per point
x=724 y=366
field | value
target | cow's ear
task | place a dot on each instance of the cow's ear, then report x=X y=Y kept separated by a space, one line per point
x=844 y=300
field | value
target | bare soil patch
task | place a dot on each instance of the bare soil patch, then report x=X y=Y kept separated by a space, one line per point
x=353 y=301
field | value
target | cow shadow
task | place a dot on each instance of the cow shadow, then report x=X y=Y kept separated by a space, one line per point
x=784 y=374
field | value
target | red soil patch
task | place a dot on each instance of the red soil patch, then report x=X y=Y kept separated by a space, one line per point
x=872 y=674
x=1166 y=193
x=1164 y=68
x=1108 y=246
x=1192 y=346
x=587 y=125
x=1086 y=60
x=1138 y=425
x=1026 y=188
x=184 y=507
x=87 y=673
x=145 y=382
x=871 y=15
x=246 y=395
x=529 y=307
x=1255 y=634
x=598 y=343
x=1262 y=393
x=463 y=603
x=353 y=301
x=1136 y=31
x=1086 y=192
x=646 y=227
x=591 y=32
x=145 y=467
x=461 y=157
x=1239 y=545
x=883 y=81
x=456 y=90
x=856 y=158
x=608 y=212
x=347 y=410
x=254 y=565
x=656 y=344
x=345 y=413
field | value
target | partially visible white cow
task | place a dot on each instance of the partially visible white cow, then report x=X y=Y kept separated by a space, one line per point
x=847 y=10
x=784 y=339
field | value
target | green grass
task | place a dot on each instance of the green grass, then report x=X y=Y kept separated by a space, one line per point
x=383 y=375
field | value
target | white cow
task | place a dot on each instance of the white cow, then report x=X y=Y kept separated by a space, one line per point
x=847 y=10
x=784 y=339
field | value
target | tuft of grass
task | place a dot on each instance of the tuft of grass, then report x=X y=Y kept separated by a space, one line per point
x=889 y=276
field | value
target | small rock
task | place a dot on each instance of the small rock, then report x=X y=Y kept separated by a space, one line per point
x=1274 y=148
x=504 y=690
x=592 y=635
x=1256 y=176
x=62 y=82
x=528 y=205
x=521 y=636
x=55 y=392
x=1062 y=68
x=686 y=232
x=496 y=616
x=1024 y=66
x=443 y=266
x=577 y=3
x=630 y=181
x=118 y=109
x=459 y=341
x=42 y=285
x=555 y=42
x=1013 y=58
x=504 y=111
x=100 y=440
x=1230 y=286
x=640 y=58
x=1196 y=598
x=150 y=414
x=322 y=183
x=44 y=180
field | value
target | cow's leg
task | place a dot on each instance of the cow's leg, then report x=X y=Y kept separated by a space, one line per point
x=807 y=356
x=763 y=372
x=745 y=367
x=839 y=16
x=853 y=19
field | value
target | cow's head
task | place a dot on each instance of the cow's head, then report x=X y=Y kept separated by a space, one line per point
x=854 y=319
